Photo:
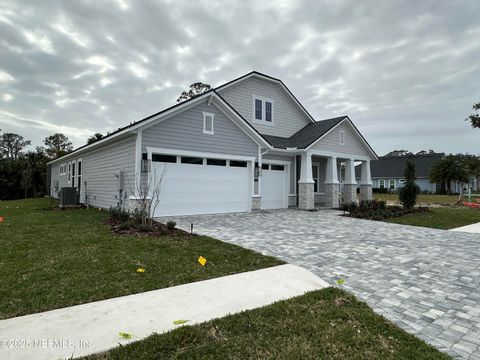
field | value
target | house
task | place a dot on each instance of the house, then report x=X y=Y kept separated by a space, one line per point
x=248 y=144
x=388 y=171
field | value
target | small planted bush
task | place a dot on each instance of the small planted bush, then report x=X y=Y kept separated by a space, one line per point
x=117 y=214
x=378 y=210
x=171 y=225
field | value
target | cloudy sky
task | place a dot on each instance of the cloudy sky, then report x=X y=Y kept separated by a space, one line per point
x=406 y=72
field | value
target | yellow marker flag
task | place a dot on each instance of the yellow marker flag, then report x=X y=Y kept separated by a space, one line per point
x=140 y=270
x=202 y=260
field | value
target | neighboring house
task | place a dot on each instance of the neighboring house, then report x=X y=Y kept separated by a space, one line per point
x=248 y=144
x=388 y=171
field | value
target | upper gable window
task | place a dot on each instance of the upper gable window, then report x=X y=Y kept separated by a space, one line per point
x=263 y=110
x=208 y=123
x=342 y=137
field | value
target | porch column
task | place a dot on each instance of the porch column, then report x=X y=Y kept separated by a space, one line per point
x=306 y=199
x=366 y=182
x=350 y=186
x=332 y=186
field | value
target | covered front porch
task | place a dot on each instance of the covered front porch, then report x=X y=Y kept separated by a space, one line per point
x=328 y=179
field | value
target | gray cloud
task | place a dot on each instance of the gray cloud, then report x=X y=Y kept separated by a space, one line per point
x=406 y=72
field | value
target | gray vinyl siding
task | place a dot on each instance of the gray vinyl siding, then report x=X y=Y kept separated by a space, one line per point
x=288 y=119
x=100 y=167
x=185 y=132
x=352 y=146
x=292 y=167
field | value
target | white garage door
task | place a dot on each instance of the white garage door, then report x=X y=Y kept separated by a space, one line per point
x=202 y=186
x=274 y=186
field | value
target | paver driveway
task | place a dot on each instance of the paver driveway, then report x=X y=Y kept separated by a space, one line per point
x=426 y=281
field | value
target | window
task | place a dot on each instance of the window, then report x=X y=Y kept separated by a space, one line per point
x=263 y=110
x=342 y=137
x=381 y=183
x=258 y=109
x=277 y=167
x=391 y=185
x=315 y=178
x=79 y=174
x=69 y=172
x=73 y=174
x=236 y=163
x=192 y=160
x=265 y=166
x=208 y=123
x=164 y=158
x=268 y=111
x=217 y=162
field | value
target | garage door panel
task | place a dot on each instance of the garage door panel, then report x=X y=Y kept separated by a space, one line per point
x=274 y=189
x=202 y=189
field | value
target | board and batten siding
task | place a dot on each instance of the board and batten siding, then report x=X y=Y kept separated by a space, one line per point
x=185 y=132
x=352 y=146
x=288 y=119
x=99 y=171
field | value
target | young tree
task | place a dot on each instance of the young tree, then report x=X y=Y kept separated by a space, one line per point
x=474 y=117
x=57 y=145
x=408 y=193
x=94 y=138
x=196 y=89
x=11 y=145
x=451 y=168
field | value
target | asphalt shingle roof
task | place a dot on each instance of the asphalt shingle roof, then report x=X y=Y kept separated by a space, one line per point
x=305 y=136
x=394 y=166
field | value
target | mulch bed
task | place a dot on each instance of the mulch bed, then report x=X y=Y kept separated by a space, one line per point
x=157 y=229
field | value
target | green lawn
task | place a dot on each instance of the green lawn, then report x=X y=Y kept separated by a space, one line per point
x=422 y=199
x=52 y=259
x=324 y=324
x=440 y=218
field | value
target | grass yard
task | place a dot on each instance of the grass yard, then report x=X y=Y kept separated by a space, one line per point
x=440 y=218
x=52 y=259
x=422 y=199
x=324 y=324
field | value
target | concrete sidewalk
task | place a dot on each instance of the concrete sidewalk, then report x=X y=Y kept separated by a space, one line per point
x=472 y=228
x=94 y=327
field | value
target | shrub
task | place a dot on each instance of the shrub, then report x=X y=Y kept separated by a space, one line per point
x=118 y=214
x=127 y=225
x=408 y=193
x=171 y=225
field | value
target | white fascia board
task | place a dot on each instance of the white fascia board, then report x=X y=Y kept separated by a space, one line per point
x=275 y=81
x=170 y=151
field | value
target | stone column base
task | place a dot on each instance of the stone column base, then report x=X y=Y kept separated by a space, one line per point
x=366 y=192
x=256 y=203
x=306 y=200
x=332 y=195
x=350 y=193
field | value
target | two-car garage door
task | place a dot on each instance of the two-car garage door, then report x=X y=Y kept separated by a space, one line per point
x=194 y=185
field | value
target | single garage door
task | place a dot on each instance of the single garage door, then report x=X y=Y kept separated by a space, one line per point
x=194 y=185
x=274 y=186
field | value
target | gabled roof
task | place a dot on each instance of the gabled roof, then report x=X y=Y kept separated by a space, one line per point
x=394 y=166
x=305 y=136
x=271 y=79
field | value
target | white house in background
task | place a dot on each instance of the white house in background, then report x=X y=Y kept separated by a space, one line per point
x=246 y=145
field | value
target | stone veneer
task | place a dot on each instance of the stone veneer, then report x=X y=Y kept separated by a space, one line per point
x=366 y=192
x=256 y=203
x=306 y=199
x=332 y=195
x=350 y=193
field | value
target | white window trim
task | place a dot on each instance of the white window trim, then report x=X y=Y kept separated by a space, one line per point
x=69 y=172
x=380 y=183
x=342 y=136
x=79 y=176
x=205 y=115
x=394 y=184
x=263 y=121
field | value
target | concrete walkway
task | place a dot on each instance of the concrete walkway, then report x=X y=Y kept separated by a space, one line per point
x=94 y=327
x=472 y=228
x=427 y=281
